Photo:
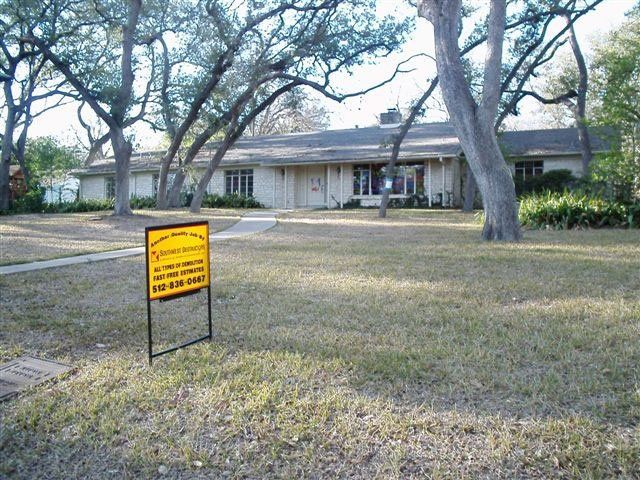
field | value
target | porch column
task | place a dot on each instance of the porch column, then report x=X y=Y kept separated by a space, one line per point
x=328 y=186
x=443 y=183
x=341 y=185
x=286 y=186
x=430 y=191
x=275 y=182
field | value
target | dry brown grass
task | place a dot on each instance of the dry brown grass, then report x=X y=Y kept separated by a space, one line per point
x=31 y=237
x=345 y=347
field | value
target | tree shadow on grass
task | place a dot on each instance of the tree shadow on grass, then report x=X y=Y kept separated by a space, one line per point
x=468 y=330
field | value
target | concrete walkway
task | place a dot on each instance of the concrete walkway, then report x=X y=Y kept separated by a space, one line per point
x=254 y=222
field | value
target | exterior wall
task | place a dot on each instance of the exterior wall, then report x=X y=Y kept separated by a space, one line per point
x=289 y=189
x=92 y=187
x=433 y=179
x=568 y=162
x=269 y=182
x=263 y=185
x=290 y=177
x=216 y=184
x=334 y=186
x=142 y=184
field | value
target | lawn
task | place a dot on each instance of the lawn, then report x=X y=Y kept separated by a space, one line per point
x=31 y=237
x=344 y=347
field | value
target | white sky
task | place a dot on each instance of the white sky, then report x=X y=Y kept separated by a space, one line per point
x=363 y=111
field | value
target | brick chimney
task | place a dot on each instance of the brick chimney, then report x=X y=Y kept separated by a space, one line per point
x=391 y=118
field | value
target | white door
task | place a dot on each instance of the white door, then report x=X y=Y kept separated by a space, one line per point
x=316 y=186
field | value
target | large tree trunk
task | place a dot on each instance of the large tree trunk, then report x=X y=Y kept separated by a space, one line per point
x=498 y=196
x=388 y=183
x=581 y=102
x=493 y=177
x=176 y=188
x=7 y=146
x=122 y=153
x=470 y=187
x=397 y=143
x=21 y=146
x=5 y=162
x=201 y=189
x=473 y=123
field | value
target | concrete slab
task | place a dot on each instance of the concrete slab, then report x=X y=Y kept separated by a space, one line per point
x=249 y=224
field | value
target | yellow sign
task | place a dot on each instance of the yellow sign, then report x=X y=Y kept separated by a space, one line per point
x=177 y=259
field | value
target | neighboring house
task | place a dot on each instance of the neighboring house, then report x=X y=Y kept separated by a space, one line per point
x=17 y=184
x=330 y=168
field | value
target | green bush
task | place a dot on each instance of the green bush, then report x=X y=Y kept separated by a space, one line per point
x=352 y=203
x=230 y=201
x=576 y=210
x=185 y=198
x=413 y=201
x=79 y=206
x=32 y=201
x=138 y=203
x=553 y=181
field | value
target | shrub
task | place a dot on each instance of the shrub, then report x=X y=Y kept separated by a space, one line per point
x=352 y=203
x=230 y=201
x=576 y=210
x=185 y=199
x=31 y=201
x=553 y=181
x=142 y=202
x=91 y=205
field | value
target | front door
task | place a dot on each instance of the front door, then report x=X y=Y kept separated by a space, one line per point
x=316 y=186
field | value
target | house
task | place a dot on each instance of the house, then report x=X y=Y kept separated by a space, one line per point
x=17 y=184
x=330 y=168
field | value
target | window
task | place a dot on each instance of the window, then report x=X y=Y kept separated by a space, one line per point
x=239 y=182
x=110 y=188
x=407 y=179
x=361 y=179
x=529 y=168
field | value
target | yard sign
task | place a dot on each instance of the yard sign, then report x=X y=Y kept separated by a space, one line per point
x=177 y=265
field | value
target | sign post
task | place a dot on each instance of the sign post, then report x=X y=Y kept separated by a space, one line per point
x=177 y=265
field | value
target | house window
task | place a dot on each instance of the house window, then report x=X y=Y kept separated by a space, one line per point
x=529 y=168
x=407 y=179
x=239 y=182
x=110 y=188
x=154 y=185
x=361 y=179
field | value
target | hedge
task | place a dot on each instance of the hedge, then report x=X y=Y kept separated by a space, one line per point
x=575 y=210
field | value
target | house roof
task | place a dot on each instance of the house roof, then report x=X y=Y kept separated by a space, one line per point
x=371 y=144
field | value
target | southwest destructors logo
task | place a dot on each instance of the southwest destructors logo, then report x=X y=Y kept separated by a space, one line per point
x=155 y=256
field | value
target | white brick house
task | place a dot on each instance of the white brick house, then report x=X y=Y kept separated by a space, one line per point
x=330 y=168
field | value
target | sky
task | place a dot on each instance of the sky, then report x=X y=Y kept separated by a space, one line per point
x=363 y=111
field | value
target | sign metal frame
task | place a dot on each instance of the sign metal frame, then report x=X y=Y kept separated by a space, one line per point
x=184 y=293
